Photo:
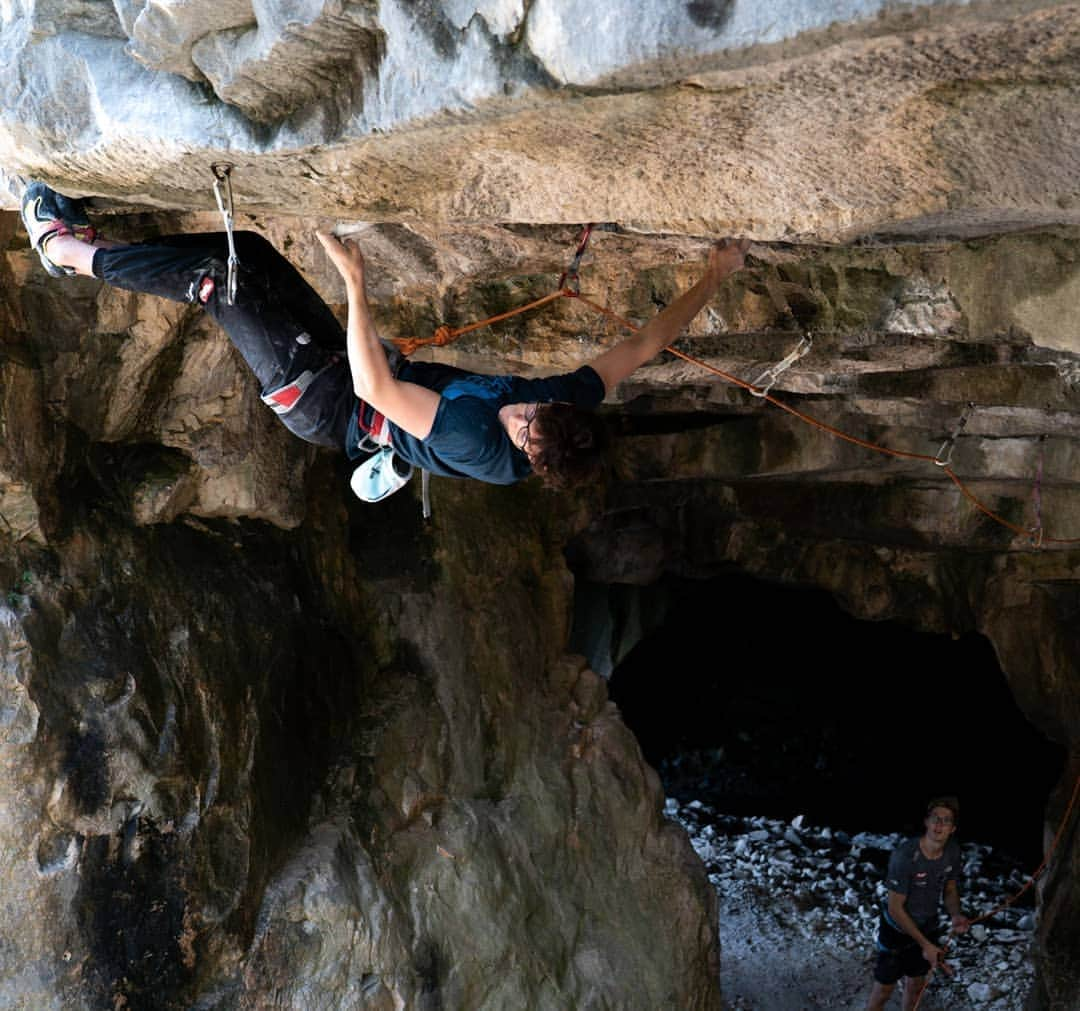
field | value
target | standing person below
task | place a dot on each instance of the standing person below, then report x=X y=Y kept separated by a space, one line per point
x=922 y=873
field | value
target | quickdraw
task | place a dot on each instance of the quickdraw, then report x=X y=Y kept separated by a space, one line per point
x=222 y=172
x=569 y=281
x=760 y=388
x=949 y=444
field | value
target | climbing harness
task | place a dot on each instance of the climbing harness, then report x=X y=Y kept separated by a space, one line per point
x=761 y=386
x=1013 y=898
x=282 y=400
x=944 y=455
x=222 y=172
x=382 y=472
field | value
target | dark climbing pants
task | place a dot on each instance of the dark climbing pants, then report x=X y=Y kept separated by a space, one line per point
x=898 y=954
x=278 y=323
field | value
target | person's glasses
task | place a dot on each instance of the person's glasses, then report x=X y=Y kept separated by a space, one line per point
x=937 y=819
x=526 y=430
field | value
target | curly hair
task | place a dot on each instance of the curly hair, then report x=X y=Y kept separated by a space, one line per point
x=572 y=445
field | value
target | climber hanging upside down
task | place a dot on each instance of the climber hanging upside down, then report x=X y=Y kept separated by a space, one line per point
x=343 y=388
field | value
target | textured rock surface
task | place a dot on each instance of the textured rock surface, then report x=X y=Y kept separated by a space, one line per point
x=968 y=122
x=265 y=748
x=421 y=785
x=348 y=766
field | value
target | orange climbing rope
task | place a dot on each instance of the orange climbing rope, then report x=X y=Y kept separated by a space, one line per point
x=446 y=334
x=751 y=388
x=569 y=287
x=1009 y=901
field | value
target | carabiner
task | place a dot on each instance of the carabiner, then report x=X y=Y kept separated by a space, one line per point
x=222 y=172
x=950 y=443
x=759 y=388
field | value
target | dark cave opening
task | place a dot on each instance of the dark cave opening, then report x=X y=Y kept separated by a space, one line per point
x=762 y=699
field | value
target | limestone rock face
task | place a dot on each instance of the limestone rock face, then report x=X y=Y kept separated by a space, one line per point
x=277 y=60
x=342 y=757
x=267 y=748
x=643 y=114
x=278 y=810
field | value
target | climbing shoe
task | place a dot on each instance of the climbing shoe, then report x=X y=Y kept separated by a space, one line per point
x=46 y=213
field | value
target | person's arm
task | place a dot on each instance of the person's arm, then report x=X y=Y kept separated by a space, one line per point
x=960 y=923
x=407 y=405
x=615 y=365
x=898 y=911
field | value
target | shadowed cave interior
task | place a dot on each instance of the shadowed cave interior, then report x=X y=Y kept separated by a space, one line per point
x=762 y=699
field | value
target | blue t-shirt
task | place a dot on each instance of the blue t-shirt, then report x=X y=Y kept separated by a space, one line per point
x=467 y=439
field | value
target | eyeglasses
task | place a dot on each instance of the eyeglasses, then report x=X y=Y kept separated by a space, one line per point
x=525 y=432
x=937 y=819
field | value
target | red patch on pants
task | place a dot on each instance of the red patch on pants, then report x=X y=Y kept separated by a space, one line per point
x=206 y=289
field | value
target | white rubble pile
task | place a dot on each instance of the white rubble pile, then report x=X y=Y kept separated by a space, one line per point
x=825 y=887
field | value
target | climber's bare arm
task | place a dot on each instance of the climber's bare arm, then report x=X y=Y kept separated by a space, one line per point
x=614 y=366
x=407 y=405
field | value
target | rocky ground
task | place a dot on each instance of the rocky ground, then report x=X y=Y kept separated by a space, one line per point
x=798 y=910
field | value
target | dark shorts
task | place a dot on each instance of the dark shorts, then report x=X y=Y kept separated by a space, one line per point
x=279 y=324
x=898 y=954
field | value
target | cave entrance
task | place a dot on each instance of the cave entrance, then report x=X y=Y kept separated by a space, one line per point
x=763 y=699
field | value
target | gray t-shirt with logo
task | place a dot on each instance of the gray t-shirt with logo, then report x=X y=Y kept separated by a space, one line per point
x=921 y=879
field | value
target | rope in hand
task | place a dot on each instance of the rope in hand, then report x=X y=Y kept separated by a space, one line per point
x=1009 y=901
x=569 y=288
